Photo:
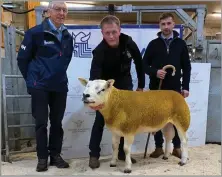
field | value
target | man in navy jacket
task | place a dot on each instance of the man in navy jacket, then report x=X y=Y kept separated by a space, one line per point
x=166 y=49
x=43 y=59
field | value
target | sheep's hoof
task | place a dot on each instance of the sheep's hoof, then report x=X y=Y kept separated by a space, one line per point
x=181 y=163
x=112 y=165
x=165 y=158
x=127 y=171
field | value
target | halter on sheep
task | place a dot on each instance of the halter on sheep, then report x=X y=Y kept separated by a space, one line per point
x=127 y=113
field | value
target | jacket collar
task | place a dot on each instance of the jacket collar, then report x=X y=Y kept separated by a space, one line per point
x=175 y=34
x=53 y=27
x=47 y=27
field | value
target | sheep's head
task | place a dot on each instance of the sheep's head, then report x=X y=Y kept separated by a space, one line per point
x=96 y=92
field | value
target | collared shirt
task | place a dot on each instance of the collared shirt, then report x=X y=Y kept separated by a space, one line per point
x=57 y=31
x=167 y=40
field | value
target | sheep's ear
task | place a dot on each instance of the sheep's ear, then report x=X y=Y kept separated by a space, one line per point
x=109 y=83
x=83 y=81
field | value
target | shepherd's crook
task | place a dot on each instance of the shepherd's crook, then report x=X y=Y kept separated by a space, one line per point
x=164 y=68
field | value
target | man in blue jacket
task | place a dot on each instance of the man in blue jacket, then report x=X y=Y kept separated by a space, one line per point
x=166 y=49
x=43 y=59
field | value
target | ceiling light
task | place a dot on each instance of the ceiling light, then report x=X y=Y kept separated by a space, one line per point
x=216 y=14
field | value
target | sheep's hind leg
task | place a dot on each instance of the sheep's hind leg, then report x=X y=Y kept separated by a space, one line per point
x=169 y=133
x=128 y=141
x=115 y=145
x=184 y=146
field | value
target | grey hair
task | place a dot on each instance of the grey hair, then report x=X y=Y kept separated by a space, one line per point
x=52 y=3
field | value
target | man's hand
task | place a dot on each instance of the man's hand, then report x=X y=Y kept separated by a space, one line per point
x=139 y=89
x=185 y=93
x=161 y=74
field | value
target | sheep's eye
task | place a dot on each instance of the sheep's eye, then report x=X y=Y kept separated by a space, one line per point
x=101 y=91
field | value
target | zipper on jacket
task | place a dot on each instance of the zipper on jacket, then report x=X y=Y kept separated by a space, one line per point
x=168 y=47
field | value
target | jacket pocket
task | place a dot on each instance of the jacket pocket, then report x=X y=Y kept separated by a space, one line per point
x=48 y=51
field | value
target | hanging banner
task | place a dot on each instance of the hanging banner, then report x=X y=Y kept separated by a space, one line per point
x=78 y=120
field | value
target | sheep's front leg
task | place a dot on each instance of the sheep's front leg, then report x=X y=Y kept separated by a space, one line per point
x=128 y=141
x=115 y=145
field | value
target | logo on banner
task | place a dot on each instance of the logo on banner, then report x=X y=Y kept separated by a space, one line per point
x=190 y=133
x=81 y=45
x=192 y=136
x=194 y=75
x=78 y=123
x=194 y=107
x=76 y=91
x=79 y=127
x=194 y=78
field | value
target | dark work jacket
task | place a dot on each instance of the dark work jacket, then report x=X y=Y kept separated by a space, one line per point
x=157 y=56
x=43 y=60
x=115 y=63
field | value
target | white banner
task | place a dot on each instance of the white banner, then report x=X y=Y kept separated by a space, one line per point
x=78 y=120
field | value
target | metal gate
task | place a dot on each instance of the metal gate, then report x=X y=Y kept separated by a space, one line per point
x=213 y=56
x=16 y=117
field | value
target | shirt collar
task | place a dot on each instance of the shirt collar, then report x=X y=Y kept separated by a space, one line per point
x=53 y=27
x=170 y=37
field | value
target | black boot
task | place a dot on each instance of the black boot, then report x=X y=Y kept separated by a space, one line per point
x=42 y=165
x=58 y=162
x=94 y=162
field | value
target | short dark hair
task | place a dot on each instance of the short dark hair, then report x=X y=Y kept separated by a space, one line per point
x=109 y=19
x=166 y=15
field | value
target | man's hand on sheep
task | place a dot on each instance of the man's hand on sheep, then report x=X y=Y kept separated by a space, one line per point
x=161 y=74
x=185 y=93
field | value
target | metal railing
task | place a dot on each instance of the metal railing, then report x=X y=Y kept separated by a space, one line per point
x=6 y=126
x=11 y=133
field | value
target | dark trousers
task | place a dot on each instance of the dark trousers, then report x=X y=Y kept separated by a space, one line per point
x=158 y=137
x=96 y=137
x=57 y=103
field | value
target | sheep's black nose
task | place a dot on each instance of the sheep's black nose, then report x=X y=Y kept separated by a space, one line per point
x=86 y=96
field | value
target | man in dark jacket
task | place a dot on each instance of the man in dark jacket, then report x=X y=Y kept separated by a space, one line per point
x=43 y=59
x=112 y=60
x=168 y=48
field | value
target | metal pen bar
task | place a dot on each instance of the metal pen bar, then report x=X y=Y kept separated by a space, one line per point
x=158 y=11
x=18 y=112
x=5 y=118
x=24 y=125
x=13 y=76
x=14 y=139
x=214 y=41
x=16 y=30
x=18 y=152
x=18 y=96
x=4 y=25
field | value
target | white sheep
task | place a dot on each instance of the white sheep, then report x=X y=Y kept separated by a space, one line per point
x=127 y=113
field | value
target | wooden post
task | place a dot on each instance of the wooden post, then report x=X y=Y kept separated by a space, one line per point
x=31 y=18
